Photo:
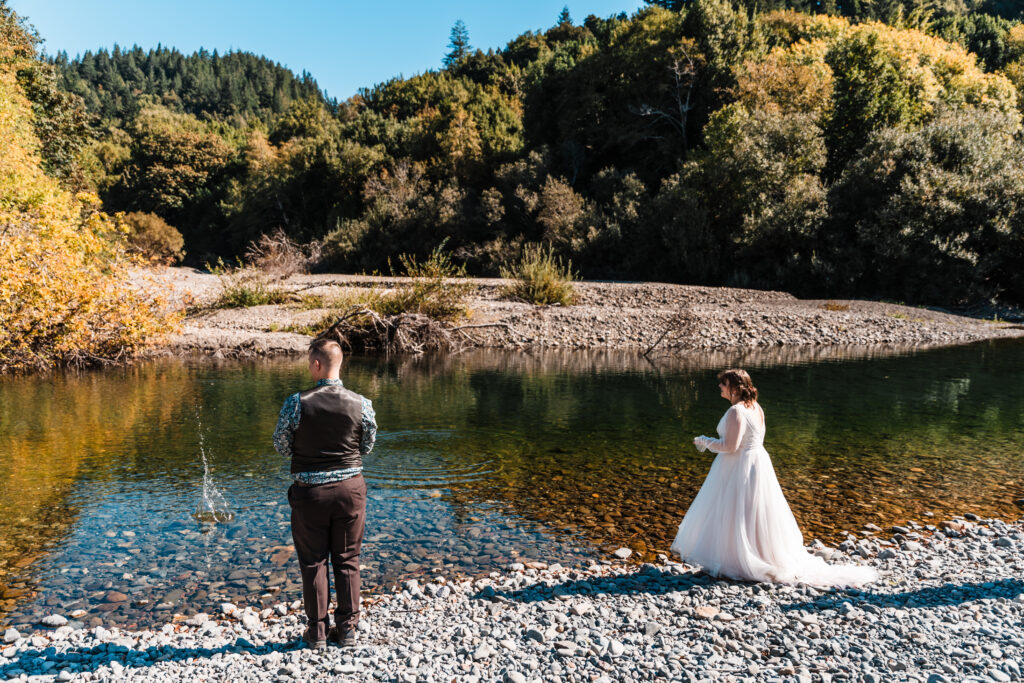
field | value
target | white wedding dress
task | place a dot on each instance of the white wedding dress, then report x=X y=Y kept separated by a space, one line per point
x=740 y=526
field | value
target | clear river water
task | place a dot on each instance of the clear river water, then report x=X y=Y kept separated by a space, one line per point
x=482 y=459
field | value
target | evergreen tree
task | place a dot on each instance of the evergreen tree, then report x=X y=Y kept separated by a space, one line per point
x=458 y=44
x=236 y=86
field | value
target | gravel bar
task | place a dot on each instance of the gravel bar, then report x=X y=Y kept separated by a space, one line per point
x=636 y=316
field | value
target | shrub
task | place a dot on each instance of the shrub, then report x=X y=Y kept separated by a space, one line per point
x=64 y=291
x=540 y=278
x=278 y=255
x=437 y=288
x=153 y=238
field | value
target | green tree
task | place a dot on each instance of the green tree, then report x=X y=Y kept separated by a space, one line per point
x=175 y=168
x=458 y=44
x=933 y=214
x=746 y=211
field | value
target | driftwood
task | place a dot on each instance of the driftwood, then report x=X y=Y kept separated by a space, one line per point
x=361 y=329
x=679 y=321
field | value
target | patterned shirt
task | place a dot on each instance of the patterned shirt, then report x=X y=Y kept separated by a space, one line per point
x=288 y=422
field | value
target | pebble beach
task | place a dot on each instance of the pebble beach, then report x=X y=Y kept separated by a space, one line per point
x=948 y=606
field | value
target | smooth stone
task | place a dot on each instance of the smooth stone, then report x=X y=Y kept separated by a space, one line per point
x=514 y=677
x=579 y=609
x=623 y=553
x=11 y=635
x=707 y=612
x=535 y=634
x=115 y=596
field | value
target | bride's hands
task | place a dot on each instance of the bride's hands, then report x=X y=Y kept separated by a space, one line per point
x=701 y=442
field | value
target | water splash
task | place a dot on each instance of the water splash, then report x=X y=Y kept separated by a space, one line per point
x=212 y=508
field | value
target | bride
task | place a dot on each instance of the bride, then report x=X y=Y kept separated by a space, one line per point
x=740 y=525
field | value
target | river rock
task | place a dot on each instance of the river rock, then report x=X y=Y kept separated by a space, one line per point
x=707 y=612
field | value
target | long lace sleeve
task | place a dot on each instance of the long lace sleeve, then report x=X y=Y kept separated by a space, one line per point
x=735 y=426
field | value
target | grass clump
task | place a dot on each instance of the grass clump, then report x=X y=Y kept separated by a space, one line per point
x=540 y=278
x=245 y=287
x=437 y=289
x=835 y=306
x=247 y=293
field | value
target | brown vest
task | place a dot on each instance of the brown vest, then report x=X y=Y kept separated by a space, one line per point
x=330 y=430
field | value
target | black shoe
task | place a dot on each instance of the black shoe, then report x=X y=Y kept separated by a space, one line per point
x=310 y=640
x=342 y=638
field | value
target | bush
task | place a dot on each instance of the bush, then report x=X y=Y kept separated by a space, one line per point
x=153 y=238
x=438 y=288
x=65 y=298
x=540 y=278
x=278 y=255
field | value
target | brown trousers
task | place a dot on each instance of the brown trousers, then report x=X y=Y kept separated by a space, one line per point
x=328 y=522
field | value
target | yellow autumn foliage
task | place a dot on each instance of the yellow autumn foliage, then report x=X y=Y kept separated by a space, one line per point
x=796 y=75
x=64 y=292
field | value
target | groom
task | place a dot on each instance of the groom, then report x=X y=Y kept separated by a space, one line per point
x=326 y=431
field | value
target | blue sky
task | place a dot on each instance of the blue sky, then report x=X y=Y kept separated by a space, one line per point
x=344 y=45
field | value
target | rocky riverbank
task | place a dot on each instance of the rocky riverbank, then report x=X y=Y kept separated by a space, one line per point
x=949 y=606
x=607 y=315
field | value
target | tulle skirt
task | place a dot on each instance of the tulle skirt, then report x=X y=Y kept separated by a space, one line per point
x=740 y=526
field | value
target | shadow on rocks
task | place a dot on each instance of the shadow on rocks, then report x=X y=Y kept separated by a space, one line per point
x=935 y=596
x=650 y=580
x=106 y=654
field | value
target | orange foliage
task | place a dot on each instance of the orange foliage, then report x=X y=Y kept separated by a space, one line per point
x=64 y=296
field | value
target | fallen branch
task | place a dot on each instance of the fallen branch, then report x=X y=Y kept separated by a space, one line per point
x=677 y=321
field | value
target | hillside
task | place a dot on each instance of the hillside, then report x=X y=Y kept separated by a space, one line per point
x=874 y=152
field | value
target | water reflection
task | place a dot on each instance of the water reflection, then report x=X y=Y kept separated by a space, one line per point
x=482 y=459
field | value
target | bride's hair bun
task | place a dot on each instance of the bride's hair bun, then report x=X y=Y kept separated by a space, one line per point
x=739 y=381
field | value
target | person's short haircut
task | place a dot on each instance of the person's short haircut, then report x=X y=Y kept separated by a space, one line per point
x=327 y=351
